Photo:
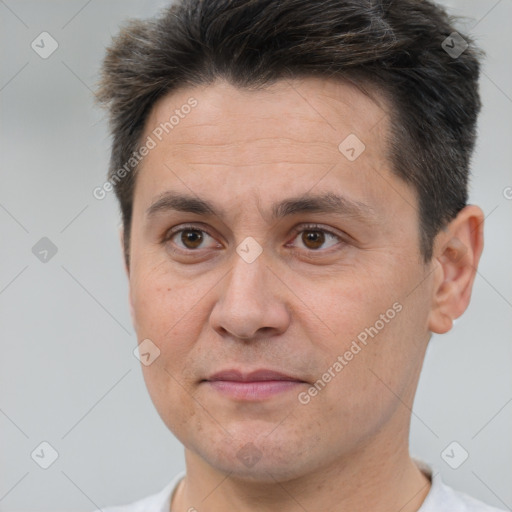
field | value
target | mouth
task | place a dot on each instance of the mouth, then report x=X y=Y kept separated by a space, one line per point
x=254 y=386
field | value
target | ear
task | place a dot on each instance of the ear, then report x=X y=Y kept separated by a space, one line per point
x=457 y=252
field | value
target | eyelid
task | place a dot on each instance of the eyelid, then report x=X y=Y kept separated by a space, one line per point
x=184 y=227
x=169 y=234
x=342 y=239
x=316 y=227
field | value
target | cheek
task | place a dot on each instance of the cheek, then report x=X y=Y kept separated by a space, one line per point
x=350 y=304
x=172 y=313
x=376 y=325
x=158 y=301
x=167 y=314
x=160 y=311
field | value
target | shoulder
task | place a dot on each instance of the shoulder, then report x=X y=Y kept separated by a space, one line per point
x=443 y=498
x=460 y=501
x=158 y=502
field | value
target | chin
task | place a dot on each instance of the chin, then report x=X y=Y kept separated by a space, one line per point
x=263 y=472
x=266 y=461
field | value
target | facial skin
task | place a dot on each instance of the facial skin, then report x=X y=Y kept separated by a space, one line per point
x=298 y=306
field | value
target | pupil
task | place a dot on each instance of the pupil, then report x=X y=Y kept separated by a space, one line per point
x=191 y=238
x=313 y=239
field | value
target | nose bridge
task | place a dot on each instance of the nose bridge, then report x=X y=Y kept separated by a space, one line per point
x=248 y=275
x=249 y=260
x=248 y=302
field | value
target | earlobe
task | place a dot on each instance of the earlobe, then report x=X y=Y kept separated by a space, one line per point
x=456 y=253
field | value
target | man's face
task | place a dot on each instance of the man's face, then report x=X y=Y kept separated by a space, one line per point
x=325 y=278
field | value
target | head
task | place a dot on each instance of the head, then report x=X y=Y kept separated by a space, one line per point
x=294 y=198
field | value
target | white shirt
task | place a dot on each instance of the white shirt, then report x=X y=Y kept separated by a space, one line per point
x=440 y=498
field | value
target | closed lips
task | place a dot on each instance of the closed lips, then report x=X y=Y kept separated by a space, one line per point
x=254 y=376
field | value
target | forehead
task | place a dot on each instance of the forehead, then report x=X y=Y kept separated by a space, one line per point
x=282 y=140
x=308 y=110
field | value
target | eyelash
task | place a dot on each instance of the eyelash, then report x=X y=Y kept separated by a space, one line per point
x=304 y=227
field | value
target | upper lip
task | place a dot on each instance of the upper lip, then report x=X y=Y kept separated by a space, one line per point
x=253 y=376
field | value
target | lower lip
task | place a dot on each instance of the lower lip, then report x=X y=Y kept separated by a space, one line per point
x=257 y=390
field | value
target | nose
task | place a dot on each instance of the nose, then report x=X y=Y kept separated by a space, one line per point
x=252 y=302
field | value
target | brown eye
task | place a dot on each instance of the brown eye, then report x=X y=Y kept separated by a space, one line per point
x=313 y=239
x=316 y=238
x=191 y=238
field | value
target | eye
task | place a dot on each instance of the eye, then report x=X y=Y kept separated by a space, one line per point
x=313 y=237
x=192 y=238
x=188 y=238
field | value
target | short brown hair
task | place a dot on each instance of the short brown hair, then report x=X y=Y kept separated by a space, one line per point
x=393 y=45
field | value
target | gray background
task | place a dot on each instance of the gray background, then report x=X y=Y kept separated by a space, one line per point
x=67 y=372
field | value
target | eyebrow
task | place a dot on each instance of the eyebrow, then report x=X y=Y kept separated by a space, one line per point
x=317 y=203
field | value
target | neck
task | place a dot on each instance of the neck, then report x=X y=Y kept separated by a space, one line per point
x=393 y=483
